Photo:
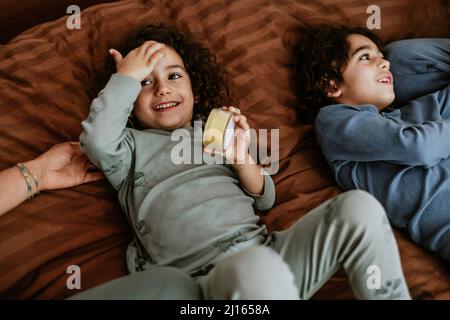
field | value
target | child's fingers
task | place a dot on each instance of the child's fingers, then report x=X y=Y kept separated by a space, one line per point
x=154 y=60
x=235 y=110
x=143 y=48
x=241 y=122
x=153 y=54
x=117 y=56
x=244 y=124
x=152 y=49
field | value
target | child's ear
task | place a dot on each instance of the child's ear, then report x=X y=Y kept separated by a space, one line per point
x=196 y=99
x=334 y=91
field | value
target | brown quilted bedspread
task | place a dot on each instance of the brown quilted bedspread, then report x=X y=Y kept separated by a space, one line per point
x=47 y=77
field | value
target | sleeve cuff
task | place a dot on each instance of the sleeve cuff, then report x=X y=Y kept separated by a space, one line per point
x=266 y=200
x=123 y=87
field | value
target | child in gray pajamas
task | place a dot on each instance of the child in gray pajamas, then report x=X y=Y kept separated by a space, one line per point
x=196 y=234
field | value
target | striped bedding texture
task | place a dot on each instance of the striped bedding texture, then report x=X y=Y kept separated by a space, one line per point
x=49 y=75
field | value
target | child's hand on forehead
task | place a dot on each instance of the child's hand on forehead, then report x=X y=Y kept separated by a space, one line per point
x=139 y=62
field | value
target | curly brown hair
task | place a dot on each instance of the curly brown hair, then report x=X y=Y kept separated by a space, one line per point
x=321 y=55
x=209 y=84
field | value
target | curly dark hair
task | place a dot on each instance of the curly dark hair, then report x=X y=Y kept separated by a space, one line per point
x=209 y=84
x=321 y=55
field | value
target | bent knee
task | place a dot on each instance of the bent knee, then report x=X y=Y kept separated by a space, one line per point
x=253 y=259
x=359 y=207
x=172 y=283
x=260 y=273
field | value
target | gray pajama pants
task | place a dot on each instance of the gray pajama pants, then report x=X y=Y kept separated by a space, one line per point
x=349 y=231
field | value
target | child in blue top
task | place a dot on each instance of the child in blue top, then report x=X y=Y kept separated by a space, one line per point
x=196 y=234
x=398 y=151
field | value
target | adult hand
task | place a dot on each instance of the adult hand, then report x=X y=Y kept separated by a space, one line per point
x=63 y=166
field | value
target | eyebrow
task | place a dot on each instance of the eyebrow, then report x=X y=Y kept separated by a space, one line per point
x=359 y=49
x=173 y=66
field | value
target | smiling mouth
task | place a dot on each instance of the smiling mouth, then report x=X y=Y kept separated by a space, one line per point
x=166 y=106
x=385 y=80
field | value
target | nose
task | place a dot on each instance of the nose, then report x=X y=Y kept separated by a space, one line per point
x=163 y=88
x=384 y=64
